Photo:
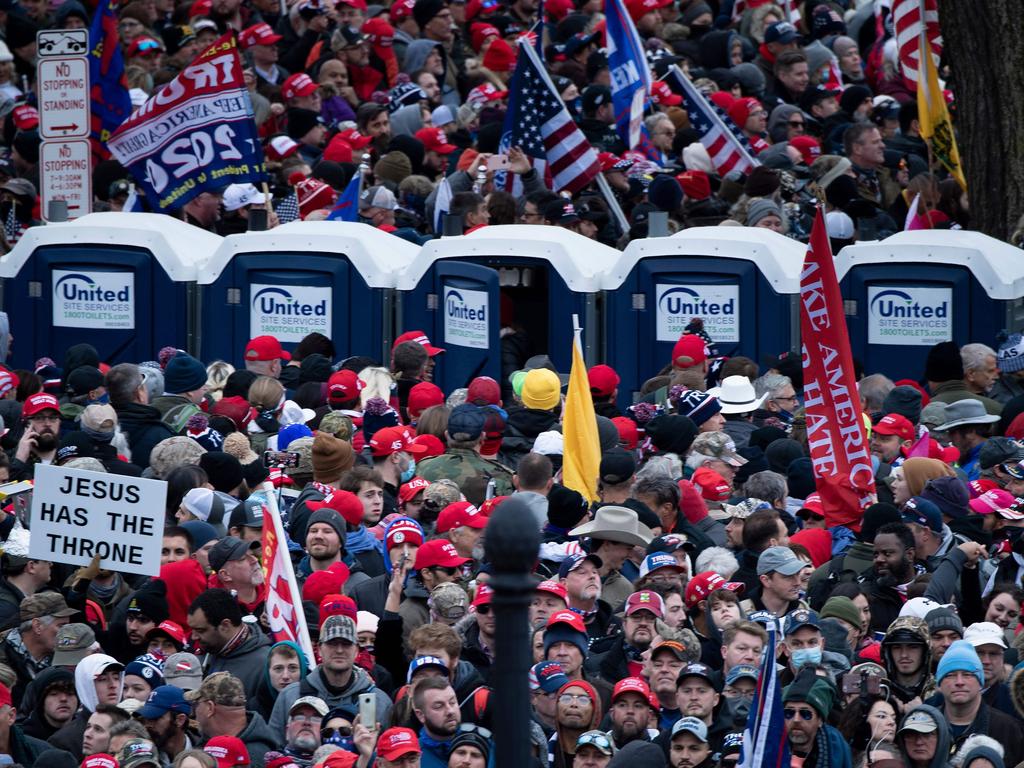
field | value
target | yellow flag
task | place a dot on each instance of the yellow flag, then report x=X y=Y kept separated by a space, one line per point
x=581 y=452
x=936 y=127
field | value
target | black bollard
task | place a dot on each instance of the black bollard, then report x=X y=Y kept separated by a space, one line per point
x=511 y=545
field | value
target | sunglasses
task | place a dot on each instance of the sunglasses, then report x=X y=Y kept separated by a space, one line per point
x=595 y=739
x=796 y=123
x=805 y=714
x=483 y=610
x=344 y=731
x=478 y=729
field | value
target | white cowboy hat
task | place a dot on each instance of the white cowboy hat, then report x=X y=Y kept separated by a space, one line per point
x=736 y=395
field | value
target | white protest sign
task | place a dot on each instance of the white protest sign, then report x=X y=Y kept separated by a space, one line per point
x=91 y=299
x=289 y=312
x=465 y=318
x=77 y=514
x=907 y=316
x=717 y=305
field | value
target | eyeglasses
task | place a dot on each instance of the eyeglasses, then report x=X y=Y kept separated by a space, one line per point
x=483 y=610
x=596 y=739
x=805 y=714
x=343 y=731
x=574 y=698
x=790 y=399
x=306 y=719
x=796 y=123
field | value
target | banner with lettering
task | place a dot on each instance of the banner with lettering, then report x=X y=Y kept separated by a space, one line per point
x=838 y=446
x=195 y=134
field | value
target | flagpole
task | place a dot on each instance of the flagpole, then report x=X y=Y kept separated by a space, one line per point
x=613 y=203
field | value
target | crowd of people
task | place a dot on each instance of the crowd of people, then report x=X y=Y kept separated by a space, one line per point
x=896 y=641
x=416 y=91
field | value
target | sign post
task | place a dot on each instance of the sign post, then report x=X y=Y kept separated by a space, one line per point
x=62 y=75
x=77 y=514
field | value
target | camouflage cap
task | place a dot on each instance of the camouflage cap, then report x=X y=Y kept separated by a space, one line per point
x=442 y=493
x=338 y=424
x=138 y=752
x=74 y=642
x=449 y=601
x=221 y=688
x=44 y=604
x=304 y=447
x=718 y=445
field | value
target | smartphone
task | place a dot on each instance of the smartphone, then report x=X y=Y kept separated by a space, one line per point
x=857 y=683
x=497 y=163
x=368 y=710
x=280 y=459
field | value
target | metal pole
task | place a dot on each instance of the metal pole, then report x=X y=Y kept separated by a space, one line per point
x=511 y=548
x=613 y=204
x=58 y=211
x=657 y=224
x=258 y=219
x=451 y=225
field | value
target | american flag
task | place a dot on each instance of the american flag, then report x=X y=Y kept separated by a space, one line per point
x=909 y=18
x=538 y=121
x=725 y=143
x=288 y=209
x=765 y=744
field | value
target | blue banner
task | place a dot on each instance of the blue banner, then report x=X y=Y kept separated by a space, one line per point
x=347 y=208
x=111 y=104
x=630 y=75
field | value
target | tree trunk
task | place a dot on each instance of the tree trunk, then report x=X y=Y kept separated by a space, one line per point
x=985 y=52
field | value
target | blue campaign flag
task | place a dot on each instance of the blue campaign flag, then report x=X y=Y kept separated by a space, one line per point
x=764 y=739
x=347 y=208
x=630 y=75
x=111 y=104
x=195 y=134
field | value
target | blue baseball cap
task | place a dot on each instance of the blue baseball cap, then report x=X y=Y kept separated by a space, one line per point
x=800 y=618
x=426 y=661
x=740 y=671
x=658 y=560
x=572 y=562
x=164 y=699
x=547 y=676
x=920 y=510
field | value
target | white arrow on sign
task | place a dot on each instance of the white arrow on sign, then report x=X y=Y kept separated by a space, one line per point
x=63 y=97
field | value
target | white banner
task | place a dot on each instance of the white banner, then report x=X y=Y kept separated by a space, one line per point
x=717 y=305
x=909 y=316
x=84 y=299
x=77 y=514
x=465 y=318
x=289 y=312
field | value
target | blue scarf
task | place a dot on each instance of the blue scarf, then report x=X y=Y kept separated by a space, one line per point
x=361 y=540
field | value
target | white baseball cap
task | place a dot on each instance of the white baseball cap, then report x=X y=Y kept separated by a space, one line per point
x=240 y=195
x=985 y=633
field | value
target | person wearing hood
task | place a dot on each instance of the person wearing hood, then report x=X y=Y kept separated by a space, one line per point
x=577 y=710
x=98 y=680
x=338 y=681
x=430 y=56
x=140 y=422
x=286 y=663
x=219 y=705
x=49 y=703
x=21 y=747
x=807 y=702
x=906 y=656
x=923 y=738
x=231 y=644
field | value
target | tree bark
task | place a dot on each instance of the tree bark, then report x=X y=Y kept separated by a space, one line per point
x=984 y=49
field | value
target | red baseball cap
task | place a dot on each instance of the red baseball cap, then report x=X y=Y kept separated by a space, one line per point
x=228 y=751
x=432 y=445
x=712 y=486
x=645 y=600
x=281 y=147
x=979 y=486
x=257 y=34
x=483 y=595
x=25 y=117
x=640 y=8
x=479 y=31
x=554 y=588
x=420 y=338
x=337 y=605
x=265 y=348
x=100 y=760
x=345 y=503
x=409 y=490
x=355 y=139
x=344 y=386
x=395 y=742
x=37 y=403
x=483 y=390
x=995 y=500
x=5 y=696
x=603 y=380
x=401 y=9
x=338 y=150
x=423 y=396
x=491 y=504
x=696 y=184
x=438 y=552
x=403 y=531
x=692 y=346
x=662 y=94
x=631 y=685
x=434 y=140
x=392 y=440
x=144 y=45
x=895 y=424
x=571 y=618
x=808 y=147
x=170 y=628
x=703 y=584
x=299 y=84
x=629 y=435
x=814 y=504
x=458 y=514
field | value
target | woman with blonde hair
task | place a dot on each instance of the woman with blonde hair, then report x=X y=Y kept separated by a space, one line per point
x=910 y=478
x=217 y=374
x=378 y=383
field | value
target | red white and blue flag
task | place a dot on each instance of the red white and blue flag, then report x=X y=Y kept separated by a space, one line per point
x=911 y=19
x=108 y=89
x=764 y=739
x=284 y=602
x=726 y=145
x=538 y=122
x=347 y=208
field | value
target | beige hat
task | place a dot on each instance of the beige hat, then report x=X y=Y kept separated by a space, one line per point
x=613 y=523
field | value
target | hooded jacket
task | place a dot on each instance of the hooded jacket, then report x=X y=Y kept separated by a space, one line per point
x=30 y=711
x=521 y=430
x=246 y=662
x=942 y=748
x=266 y=694
x=909 y=629
x=142 y=426
x=69 y=738
x=315 y=685
x=185 y=580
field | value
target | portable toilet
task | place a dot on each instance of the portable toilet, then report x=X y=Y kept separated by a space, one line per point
x=123 y=282
x=906 y=293
x=743 y=282
x=461 y=291
x=332 y=277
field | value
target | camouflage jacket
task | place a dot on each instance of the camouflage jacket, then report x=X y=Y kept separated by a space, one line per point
x=470 y=471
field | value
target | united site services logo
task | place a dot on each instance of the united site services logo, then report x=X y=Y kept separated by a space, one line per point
x=80 y=287
x=898 y=304
x=279 y=302
x=686 y=301
x=456 y=307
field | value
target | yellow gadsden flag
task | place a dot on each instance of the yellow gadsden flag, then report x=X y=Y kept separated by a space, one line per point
x=936 y=127
x=581 y=453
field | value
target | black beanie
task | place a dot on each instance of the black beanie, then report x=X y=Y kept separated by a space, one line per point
x=944 y=363
x=756 y=462
x=762 y=437
x=315 y=367
x=425 y=10
x=904 y=400
x=566 y=507
x=223 y=469
x=853 y=97
x=781 y=453
x=671 y=433
x=665 y=193
x=151 y=601
x=800 y=478
x=301 y=121
x=875 y=517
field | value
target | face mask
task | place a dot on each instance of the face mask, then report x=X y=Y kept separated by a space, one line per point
x=102 y=400
x=786 y=417
x=345 y=742
x=805 y=656
x=739 y=708
x=408 y=473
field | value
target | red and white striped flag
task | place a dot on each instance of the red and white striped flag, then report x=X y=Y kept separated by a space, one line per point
x=909 y=18
x=284 y=601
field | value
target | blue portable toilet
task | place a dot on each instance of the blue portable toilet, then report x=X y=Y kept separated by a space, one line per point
x=461 y=291
x=123 y=282
x=332 y=277
x=742 y=281
x=906 y=293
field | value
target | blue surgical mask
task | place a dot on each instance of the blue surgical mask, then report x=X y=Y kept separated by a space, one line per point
x=804 y=656
x=408 y=473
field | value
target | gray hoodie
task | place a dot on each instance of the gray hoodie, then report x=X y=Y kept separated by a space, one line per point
x=941 y=759
x=360 y=682
x=406 y=120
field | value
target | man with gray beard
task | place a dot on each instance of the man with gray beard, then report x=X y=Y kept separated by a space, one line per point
x=302 y=730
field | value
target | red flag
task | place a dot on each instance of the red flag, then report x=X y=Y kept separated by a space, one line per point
x=284 y=602
x=843 y=472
